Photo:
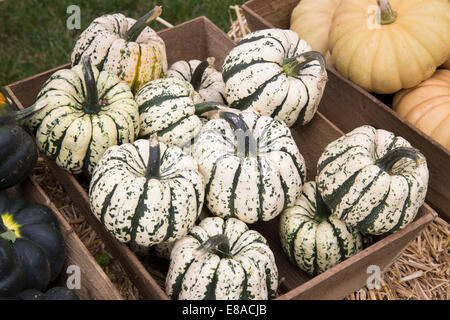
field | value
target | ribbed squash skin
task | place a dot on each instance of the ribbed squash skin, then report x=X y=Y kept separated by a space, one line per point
x=363 y=194
x=39 y=247
x=18 y=154
x=11 y=271
x=211 y=86
x=253 y=187
x=143 y=209
x=255 y=77
x=250 y=273
x=135 y=62
x=312 y=244
x=167 y=108
x=311 y=19
x=18 y=151
x=390 y=57
x=74 y=138
x=427 y=106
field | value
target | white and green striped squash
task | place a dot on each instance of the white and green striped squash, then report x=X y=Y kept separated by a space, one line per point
x=373 y=180
x=146 y=192
x=222 y=260
x=277 y=74
x=252 y=166
x=313 y=239
x=170 y=108
x=84 y=112
x=205 y=79
x=162 y=250
x=123 y=46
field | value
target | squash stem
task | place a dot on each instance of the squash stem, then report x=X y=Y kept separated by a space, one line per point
x=197 y=75
x=387 y=14
x=245 y=147
x=23 y=115
x=154 y=158
x=133 y=33
x=9 y=113
x=392 y=157
x=218 y=244
x=323 y=212
x=5 y=233
x=292 y=66
x=203 y=107
x=90 y=105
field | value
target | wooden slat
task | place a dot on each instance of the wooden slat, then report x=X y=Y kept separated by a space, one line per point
x=95 y=284
x=349 y=106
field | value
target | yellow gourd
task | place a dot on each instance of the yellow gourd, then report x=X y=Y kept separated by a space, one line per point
x=311 y=19
x=386 y=46
x=427 y=106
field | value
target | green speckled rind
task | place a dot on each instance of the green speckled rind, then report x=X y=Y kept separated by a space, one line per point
x=167 y=108
x=315 y=246
x=146 y=210
x=250 y=188
x=73 y=138
x=250 y=272
x=254 y=77
x=135 y=62
x=363 y=194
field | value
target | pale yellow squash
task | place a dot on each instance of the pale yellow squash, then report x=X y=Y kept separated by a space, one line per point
x=427 y=106
x=396 y=49
x=311 y=19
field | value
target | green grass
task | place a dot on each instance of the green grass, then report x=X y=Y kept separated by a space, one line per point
x=34 y=36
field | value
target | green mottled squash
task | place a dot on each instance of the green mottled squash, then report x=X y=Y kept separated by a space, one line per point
x=171 y=108
x=312 y=238
x=125 y=47
x=251 y=164
x=373 y=180
x=86 y=112
x=203 y=76
x=222 y=260
x=276 y=73
x=146 y=192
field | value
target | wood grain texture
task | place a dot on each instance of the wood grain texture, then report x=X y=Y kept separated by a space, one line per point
x=349 y=106
x=95 y=284
x=197 y=35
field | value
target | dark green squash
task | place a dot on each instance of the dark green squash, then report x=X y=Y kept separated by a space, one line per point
x=18 y=151
x=31 y=240
x=11 y=271
x=55 y=293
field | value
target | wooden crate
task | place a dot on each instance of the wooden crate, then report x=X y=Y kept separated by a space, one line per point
x=349 y=106
x=200 y=38
x=95 y=284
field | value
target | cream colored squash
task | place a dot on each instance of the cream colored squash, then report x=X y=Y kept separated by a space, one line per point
x=311 y=19
x=398 y=50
